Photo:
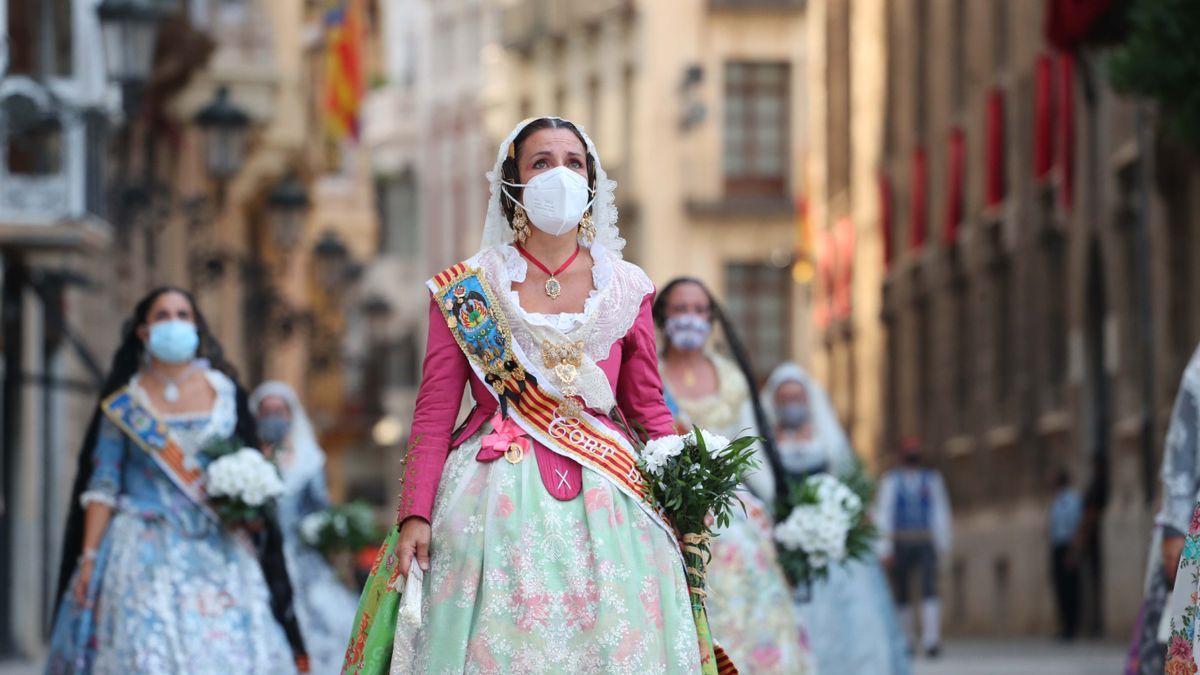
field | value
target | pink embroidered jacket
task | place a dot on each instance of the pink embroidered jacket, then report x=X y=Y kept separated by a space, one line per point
x=632 y=371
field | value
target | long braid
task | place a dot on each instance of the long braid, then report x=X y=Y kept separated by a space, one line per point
x=738 y=351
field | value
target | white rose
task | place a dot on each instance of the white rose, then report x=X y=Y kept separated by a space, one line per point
x=713 y=442
x=660 y=451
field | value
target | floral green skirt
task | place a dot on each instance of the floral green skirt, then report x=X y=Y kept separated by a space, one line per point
x=1183 y=605
x=520 y=582
x=749 y=603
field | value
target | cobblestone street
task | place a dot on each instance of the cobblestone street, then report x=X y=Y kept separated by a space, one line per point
x=1024 y=657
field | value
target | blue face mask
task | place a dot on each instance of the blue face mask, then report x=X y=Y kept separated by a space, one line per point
x=273 y=428
x=173 y=341
x=792 y=415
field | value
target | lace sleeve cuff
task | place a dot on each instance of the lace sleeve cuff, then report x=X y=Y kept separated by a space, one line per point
x=97 y=496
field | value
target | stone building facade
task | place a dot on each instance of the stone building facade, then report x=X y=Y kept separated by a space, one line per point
x=1026 y=323
x=699 y=112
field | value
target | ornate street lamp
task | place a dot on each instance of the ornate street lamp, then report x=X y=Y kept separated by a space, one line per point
x=287 y=204
x=379 y=313
x=224 y=125
x=331 y=260
x=130 y=29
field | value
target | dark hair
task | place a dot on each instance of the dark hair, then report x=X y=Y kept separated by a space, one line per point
x=659 y=312
x=510 y=171
x=129 y=355
x=125 y=364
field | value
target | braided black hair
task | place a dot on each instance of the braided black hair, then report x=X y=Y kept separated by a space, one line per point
x=510 y=171
x=742 y=358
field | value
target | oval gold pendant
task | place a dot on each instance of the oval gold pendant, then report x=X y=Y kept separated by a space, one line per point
x=553 y=288
x=514 y=454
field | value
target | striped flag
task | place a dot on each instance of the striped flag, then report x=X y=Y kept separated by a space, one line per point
x=344 y=27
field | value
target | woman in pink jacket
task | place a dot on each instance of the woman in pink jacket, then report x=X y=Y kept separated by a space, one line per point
x=527 y=526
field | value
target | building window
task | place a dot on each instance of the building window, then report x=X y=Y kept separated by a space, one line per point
x=96 y=134
x=999 y=30
x=958 y=62
x=838 y=104
x=1180 y=263
x=595 y=101
x=756 y=129
x=33 y=143
x=920 y=80
x=924 y=373
x=963 y=377
x=759 y=306
x=397 y=203
x=1056 y=320
x=40 y=36
x=1002 y=347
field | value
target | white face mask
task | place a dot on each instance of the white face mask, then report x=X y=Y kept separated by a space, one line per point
x=554 y=200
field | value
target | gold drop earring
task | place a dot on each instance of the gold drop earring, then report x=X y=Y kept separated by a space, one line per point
x=520 y=226
x=587 y=230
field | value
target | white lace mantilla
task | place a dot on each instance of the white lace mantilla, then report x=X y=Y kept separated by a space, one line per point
x=609 y=313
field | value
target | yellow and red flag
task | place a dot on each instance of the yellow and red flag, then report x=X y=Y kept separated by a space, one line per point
x=344 y=40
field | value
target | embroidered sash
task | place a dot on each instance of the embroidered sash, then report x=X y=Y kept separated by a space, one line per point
x=153 y=436
x=468 y=305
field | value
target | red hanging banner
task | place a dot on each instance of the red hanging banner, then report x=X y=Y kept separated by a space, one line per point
x=994 y=152
x=919 y=212
x=1066 y=129
x=1069 y=21
x=823 y=306
x=844 y=269
x=1043 y=117
x=955 y=164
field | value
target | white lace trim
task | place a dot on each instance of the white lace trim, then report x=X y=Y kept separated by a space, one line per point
x=99 y=497
x=222 y=420
x=516 y=267
x=607 y=319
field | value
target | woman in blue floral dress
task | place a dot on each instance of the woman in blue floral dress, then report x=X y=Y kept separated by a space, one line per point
x=151 y=580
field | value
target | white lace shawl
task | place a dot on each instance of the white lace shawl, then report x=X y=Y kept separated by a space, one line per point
x=607 y=317
x=222 y=420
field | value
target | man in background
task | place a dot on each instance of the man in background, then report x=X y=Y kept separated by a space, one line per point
x=912 y=512
x=1066 y=514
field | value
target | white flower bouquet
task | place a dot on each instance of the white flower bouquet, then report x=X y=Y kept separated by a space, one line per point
x=241 y=484
x=345 y=527
x=694 y=477
x=827 y=525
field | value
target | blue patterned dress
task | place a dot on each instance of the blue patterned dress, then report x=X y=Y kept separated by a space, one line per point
x=171 y=590
x=324 y=606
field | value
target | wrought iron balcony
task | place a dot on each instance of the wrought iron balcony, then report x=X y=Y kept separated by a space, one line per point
x=52 y=157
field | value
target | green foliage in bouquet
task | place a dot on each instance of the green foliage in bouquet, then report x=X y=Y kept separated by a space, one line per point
x=827 y=524
x=694 y=478
x=345 y=527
